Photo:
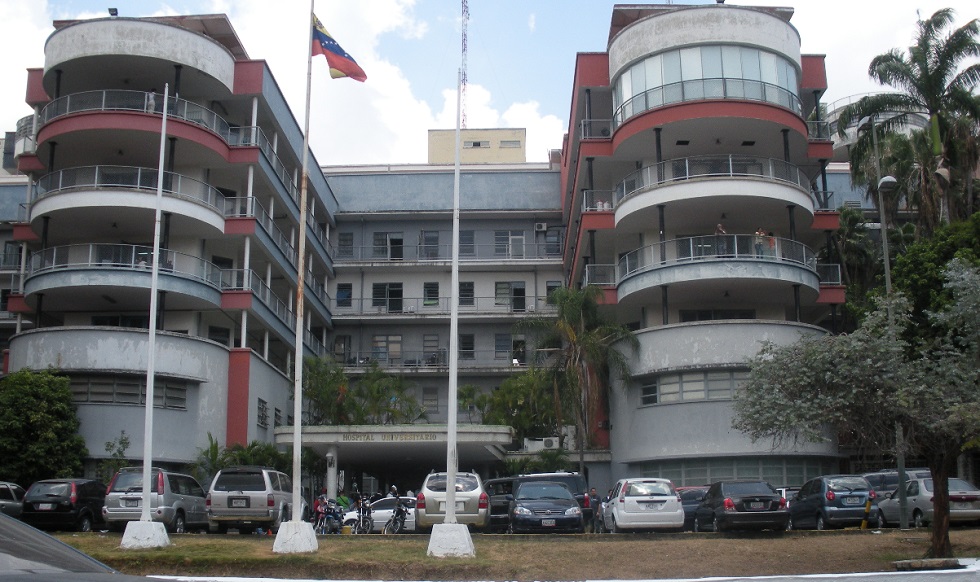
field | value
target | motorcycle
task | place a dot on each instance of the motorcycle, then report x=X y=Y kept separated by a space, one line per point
x=329 y=517
x=396 y=523
x=364 y=523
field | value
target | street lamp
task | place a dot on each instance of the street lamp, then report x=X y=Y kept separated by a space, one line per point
x=889 y=184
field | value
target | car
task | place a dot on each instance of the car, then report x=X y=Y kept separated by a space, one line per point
x=248 y=497
x=887 y=479
x=65 y=504
x=964 y=503
x=741 y=504
x=544 y=506
x=472 y=501
x=11 y=498
x=788 y=493
x=831 y=501
x=382 y=509
x=691 y=497
x=501 y=492
x=646 y=503
x=176 y=500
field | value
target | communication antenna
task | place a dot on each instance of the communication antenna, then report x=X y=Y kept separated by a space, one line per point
x=462 y=77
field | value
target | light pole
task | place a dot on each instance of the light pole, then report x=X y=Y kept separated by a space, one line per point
x=889 y=184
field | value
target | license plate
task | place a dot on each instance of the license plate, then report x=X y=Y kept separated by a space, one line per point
x=852 y=501
x=459 y=506
x=755 y=505
x=131 y=503
x=239 y=502
x=45 y=506
x=547 y=523
x=654 y=505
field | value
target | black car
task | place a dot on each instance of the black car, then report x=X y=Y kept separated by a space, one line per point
x=545 y=506
x=66 y=504
x=691 y=498
x=11 y=498
x=834 y=501
x=741 y=505
x=501 y=491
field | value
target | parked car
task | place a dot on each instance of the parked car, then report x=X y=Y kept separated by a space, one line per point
x=691 y=497
x=643 y=504
x=544 y=506
x=381 y=511
x=67 y=504
x=11 y=498
x=472 y=501
x=247 y=497
x=741 y=505
x=887 y=479
x=788 y=493
x=176 y=500
x=964 y=503
x=833 y=501
x=501 y=491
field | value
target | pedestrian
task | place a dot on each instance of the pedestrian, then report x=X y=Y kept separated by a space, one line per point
x=596 y=504
x=343 y=500
x=151 y=101
x=721 y=240
x=760 y=242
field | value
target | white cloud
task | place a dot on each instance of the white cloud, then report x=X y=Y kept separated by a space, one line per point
x=531 y=20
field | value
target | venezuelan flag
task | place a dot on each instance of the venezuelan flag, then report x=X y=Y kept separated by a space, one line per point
x=341 y=64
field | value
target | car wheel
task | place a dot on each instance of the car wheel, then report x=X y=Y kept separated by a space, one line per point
x=716 y=524
x=84 y=523
x=917 y=520
x=821 y=524
x=881 y=519
x=179 y=525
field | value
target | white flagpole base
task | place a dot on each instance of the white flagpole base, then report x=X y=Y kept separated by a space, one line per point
x=144 y=534
x=295 y=537
x=451 y=540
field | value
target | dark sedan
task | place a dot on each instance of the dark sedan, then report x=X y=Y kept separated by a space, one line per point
x=545 y=506
x=741 y=505
x=691 y=498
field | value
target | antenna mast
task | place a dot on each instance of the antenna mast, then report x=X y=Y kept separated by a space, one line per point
x=462 y=81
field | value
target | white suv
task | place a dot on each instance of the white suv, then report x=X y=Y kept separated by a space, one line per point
x=643 y=503
x=246 y=498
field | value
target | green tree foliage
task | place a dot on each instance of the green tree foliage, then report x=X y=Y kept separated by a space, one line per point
x=865 y=384
x=525 y=403
x=325 y=388
x=376 y=397
x=259 y=454
x=209 y=461
x=38 y=428
x=116 y=449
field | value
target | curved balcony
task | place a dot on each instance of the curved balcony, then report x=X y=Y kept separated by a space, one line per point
x=705 y=89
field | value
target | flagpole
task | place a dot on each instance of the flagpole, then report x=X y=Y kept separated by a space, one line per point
x=298 y=535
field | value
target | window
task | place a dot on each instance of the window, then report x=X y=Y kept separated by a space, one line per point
x=510 y=143
x=510 y=293
x=430 y=399
x=431 y=351
x=429 y=244
x=502 y=293
x=341 y=349
x=262 y=414
x=476 y=144
x=689 y=315
x=552 y=243
x=467 y=343
x=430 y=294
x=467 y=246
x=277 y=419
x=386 y=348
x=388 y=245
x=501 y=346
x=466 y=293
x=692 y=386
x=508 y=243
x=345 y=244
x=344 y=293
x=169 y=393
x=550 y=288
x=387 y=296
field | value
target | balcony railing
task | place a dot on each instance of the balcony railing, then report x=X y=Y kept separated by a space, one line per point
x=596 y=128
x=730 y=166
x=598 y=200
x=248 y=280
x=818 y=130
x=127 y=177
x=120 y=256
x=434 y=359
x=602 y=275
x=314 y=343
x=727 y=247
x=702 y=89
x=512 y=251
x=829 y=274
x=25 y=136
x=244 y=207
x=503 y=305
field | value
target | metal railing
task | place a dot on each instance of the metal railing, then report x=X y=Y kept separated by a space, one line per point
x=511 y=304
x=818 y=130
x=596 y=128
x=244 y=207
x=598 y=200
x=432 y=359
x=702 y=89
x=127 y=177
x=829 y=274
x=602 y=275
x=122 y=256
x=726 y=166
x=726 y=247
x=443 y=252
x=25 y=143
x=248 y=280
x=10 y=260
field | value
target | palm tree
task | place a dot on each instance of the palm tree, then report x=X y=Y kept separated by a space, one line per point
x=585 y=350
x=928 y=81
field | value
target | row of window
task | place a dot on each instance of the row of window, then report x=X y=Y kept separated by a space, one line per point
x=167 y=393
x=262 y=416
x=389 y=347
x=691 y=386
x=779 y=472
x=390 y=245
x=391 y=295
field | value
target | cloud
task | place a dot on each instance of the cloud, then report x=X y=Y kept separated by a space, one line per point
x=531 y=22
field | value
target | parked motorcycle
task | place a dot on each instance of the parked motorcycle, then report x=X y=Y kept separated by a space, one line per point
x=364 y=522
x=396 y=523
x=329 y=516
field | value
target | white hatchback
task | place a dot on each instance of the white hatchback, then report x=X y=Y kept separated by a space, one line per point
x=644 y=503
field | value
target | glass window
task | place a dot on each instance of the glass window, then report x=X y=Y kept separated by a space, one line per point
x=466 y=245
x=344 y=293
x=693 y=386
x=654 y=71
x=430 y=294
x=550 y=288
x=430 y=399
x=691 y=63
x=750 y=64
x=345 y=244
x=731 y=59
x=429 y=247
x=501 y=346
x=467 y=342
x=466 y=293
x=669 y=388
x=711 y=62
x=502 y=293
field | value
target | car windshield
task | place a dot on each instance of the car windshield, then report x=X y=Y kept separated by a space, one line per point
x=50 y=489
x=131 y=481
x=464 y=482
x=954 y=485
x=755 y=488
x=647 y=488
x=25 y=550
x=692 y=494
x=240 y=482
x=838 y=484
x=544 y=491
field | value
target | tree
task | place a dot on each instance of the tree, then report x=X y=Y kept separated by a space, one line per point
x=116 y=449
x=864 y=384
x=325 y=389
x=584 y=349
x=524 y=402
x=38 y=428
x=928 y=80
x=209 y=461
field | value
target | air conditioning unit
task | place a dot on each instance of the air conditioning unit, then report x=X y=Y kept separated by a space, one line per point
x=540 y=226
x=530 y=307
x=550 y=443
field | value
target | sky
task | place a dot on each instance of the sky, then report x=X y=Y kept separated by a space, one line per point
x=520 y=59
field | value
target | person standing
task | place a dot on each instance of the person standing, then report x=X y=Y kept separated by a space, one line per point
x=596 y=505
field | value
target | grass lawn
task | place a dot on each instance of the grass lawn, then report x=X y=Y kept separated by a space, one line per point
x=515 y=557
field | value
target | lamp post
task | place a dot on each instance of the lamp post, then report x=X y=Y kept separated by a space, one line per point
x=889 y=184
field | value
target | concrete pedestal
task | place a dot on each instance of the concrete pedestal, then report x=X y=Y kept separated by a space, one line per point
x=144 y=534
x=451 y=540
x=295 y=537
